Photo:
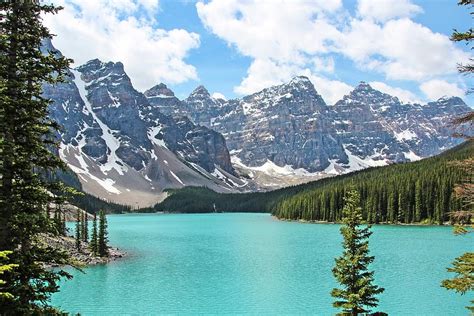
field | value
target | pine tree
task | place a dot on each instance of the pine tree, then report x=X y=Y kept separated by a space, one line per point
x=418 y=201
x=358 y=293
x=93 y=244
x=58 y=220
x=102 y=239
x=5 y=267
x=27 y=140
x=85 y=227
x=463 y=282
x=463 y=266
x=78 y=231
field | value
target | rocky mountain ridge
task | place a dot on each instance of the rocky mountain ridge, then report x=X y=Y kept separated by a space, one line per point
x=126 y=151
x=289 y=129
x=129 y=147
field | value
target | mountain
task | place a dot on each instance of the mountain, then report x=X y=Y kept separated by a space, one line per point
x=388 y=194
x=124 y=149
x=128 y=147
x=287 y=134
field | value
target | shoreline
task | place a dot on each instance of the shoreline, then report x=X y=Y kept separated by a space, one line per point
x=304 y=221
x=84 y=257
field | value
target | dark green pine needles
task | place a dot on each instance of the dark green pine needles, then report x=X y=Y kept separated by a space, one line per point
x=102 y=239
x=93 y=244
x=358 y=291
x=27 y=143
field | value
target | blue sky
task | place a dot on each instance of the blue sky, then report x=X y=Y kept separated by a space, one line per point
x=238 y=47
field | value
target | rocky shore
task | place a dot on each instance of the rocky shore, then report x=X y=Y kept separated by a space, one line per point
x=84 y=257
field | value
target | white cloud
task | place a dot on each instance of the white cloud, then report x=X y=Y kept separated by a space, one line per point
x=124 y=30
x=284 y=38
x=435 y=89
x=402 y=94
x=331 y=90
x=401 y=49
x=291 y=38
x=281 y=30
x=384 y=10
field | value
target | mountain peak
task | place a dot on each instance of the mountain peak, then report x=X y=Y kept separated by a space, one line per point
x=300 y=79
x=301 y=82
x=160 y=90
x=363 y=86
x=200 y=91
x=450 y=101
x=363 y=94
x=95 y=63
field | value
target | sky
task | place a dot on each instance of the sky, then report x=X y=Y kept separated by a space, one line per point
x=238 y=47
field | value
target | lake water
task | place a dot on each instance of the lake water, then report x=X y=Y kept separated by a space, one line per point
x=255 y=264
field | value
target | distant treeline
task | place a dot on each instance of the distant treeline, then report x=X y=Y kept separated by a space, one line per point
x=85 y=201
x=403 y=193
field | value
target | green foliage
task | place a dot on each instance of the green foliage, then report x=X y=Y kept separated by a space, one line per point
x=358 y=292
x=78 y=231
x=465 y=36
x=203 y=200
x=93 y=244
x=402 y=193
x=463 y=268
x=5 y=267
x=102 y=239
x=59 y=224
x=85 y=227
x=27 y=143
x=85 y=201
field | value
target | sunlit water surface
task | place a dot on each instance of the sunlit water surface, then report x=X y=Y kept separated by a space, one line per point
x=255 y=264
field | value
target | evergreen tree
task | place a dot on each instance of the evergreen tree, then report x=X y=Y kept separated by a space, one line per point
x=93 y=244
x=63 y=224
x=358 y=293
x=78 y=231
x=85 y=227
x=58 y=221
x=27 y=140
x=418 y=200
x=5 y=267
x=102 y=239
x=463 y=282
x=463 y=266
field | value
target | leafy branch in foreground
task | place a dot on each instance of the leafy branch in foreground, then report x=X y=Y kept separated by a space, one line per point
x=463 y=266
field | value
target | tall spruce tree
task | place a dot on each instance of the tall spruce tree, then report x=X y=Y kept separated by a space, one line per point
x=85 y=227
x=358 y=292
x=27 y=140
x=93 y=244
x=78 y=231
x=102 y=239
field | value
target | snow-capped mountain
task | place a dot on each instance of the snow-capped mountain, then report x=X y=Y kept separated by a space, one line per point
x=128 y=147
x=124 y=149
x=287 y=134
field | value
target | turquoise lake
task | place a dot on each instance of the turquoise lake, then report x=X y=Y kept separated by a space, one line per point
x=255 y=264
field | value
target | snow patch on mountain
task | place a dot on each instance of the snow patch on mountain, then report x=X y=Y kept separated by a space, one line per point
x=405 y=135
x=112 y=142
x=357 y=163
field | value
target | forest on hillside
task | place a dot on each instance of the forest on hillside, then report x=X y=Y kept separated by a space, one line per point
x=83 y=200
x=413 y=192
